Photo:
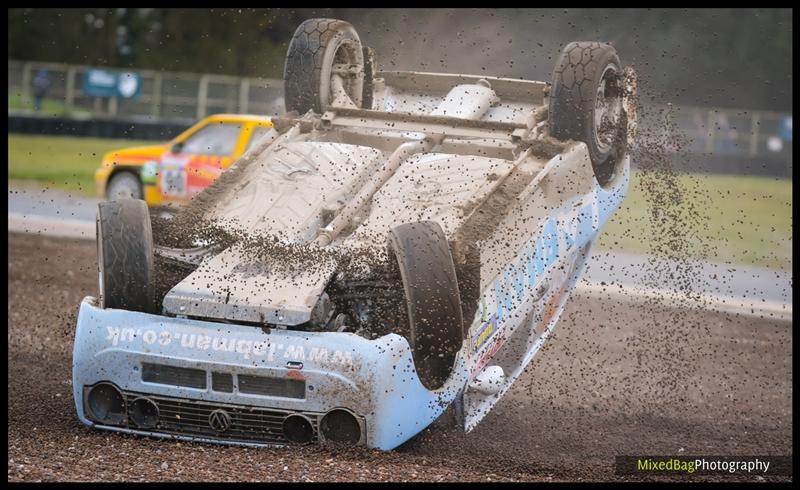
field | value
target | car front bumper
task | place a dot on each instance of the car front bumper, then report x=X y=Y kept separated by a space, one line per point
x=176 y=362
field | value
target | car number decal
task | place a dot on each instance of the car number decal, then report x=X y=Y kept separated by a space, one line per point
x=173 y=182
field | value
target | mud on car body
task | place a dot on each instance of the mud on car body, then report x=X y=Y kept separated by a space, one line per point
x=404 y=243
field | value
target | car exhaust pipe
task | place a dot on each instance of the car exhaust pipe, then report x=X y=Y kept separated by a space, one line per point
x=404 y=151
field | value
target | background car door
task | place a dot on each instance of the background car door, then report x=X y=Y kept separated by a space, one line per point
x=193 y=164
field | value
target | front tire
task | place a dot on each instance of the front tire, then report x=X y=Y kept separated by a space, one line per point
x=432 y=298
x=125 y=256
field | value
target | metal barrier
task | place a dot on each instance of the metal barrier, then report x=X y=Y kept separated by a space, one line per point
x=180 y=97
x=176 y=96
x=722 y=132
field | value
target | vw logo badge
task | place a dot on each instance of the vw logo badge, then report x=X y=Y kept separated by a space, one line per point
x=219 y=420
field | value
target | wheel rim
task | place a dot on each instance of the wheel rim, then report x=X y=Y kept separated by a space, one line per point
x=123 y=187
x=346 y=66
x=607 y=109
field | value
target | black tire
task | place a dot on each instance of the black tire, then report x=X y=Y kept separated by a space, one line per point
x=583 y=70
x=125 y=256
x=316 y=46
x=432 y=298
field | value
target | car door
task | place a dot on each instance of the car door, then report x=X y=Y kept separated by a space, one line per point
x=194 y=163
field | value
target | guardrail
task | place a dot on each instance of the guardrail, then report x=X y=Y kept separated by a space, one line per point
x=180 y=97
x=722 y=132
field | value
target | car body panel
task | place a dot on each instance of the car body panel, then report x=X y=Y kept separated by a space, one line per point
x=181 y=174
x=521 y=304
x=279 y=191
x=197 y=171
x=131 y=159
x=263 y=292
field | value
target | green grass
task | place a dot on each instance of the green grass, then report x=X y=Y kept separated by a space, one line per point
x=746 y=220
x=63 y=162
x=738 y=219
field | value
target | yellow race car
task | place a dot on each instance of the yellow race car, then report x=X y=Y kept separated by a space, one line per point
x=175 y=171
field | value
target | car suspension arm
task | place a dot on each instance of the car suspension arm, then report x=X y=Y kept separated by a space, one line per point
x=342 y=220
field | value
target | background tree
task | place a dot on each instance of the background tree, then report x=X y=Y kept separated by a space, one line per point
x=737 y=58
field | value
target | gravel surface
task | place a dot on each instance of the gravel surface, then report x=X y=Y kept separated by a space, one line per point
x=612 y=380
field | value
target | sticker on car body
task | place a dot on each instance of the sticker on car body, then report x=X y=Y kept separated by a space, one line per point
x=484 y=333
x=248 y=348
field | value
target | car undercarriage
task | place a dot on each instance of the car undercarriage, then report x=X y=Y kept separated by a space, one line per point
x=398 y=242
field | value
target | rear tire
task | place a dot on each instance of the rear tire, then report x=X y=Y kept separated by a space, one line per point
x=125 y=256
x=432 y=299
x=318 y=45
x=586 y=104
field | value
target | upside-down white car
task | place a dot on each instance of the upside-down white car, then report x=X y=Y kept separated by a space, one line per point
x=406 y=243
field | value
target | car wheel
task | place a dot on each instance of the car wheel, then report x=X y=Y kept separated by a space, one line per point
x=321 y=48
x=125 y=256
x=432 y=298
x=586 y=104
x=124 y=185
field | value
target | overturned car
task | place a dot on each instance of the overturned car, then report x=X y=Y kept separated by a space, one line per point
x=400 y=243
